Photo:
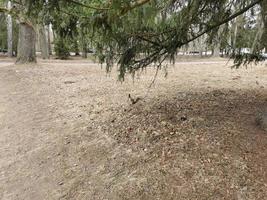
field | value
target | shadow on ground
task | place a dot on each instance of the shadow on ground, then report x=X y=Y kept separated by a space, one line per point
x=196 y=145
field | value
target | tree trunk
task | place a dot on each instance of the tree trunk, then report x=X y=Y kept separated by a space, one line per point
x=258 y=36
x=84 y=53
x=237 y=26
x=235 y=34
x=76 y=48
x=26 y=44
x=43 y=42
x=201 y=46
x=84 y=45
x=217 y=43
x=216 y=51
x=264 y=19
x=9 y=32
x=49 y=39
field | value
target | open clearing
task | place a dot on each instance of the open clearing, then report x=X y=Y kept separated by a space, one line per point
x=68 y=131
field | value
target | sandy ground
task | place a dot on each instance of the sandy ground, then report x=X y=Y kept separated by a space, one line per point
x=69 y=131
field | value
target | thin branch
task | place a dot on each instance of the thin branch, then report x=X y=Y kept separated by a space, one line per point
x=74 y=14
x=135 y=5
x=15 y=14
x=5 y=10
x=87 y=6
x=157 y=71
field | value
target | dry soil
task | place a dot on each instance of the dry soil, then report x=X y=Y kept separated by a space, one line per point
x=68 y=131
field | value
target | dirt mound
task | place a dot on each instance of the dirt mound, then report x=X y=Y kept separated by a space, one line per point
x=199 y=142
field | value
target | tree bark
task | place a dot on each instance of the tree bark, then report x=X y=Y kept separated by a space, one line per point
x=264 y=19
x=43 y=42
x=216 y=45
x=201 y=46
x=76 y=48
x=48 y=39
x=84 y=53
x=235 y=33
x=217 y=42
x=83 y=44
x=26 y=44
x=237 y=25
x=9 y=31
x=216 y=50
x=258 y=36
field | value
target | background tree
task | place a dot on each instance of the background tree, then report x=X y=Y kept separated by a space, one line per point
x=133 y=33
x=264 y=19
x=9 y=31
x=3 y=32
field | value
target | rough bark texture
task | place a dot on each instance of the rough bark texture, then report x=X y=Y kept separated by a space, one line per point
x=43 y=42
x=9 y=32
x=48 y=39
x=26 y=44
x=264 y=18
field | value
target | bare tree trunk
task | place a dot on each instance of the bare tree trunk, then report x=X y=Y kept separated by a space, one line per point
x=26 y=44
x=201 y=46
x=84 y=44
x=76 y=48
x=217 y=41
x=84 y=53
x=9 y=32
x=258 y=34
x=237 y=24
x=235 y=34
x=43 y=42
x=216 y=50
x=264 y=19
x=48 y=39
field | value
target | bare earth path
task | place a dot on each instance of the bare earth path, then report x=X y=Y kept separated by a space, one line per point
x=68 y=131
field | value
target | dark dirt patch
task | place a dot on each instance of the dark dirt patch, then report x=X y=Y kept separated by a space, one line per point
x=214 y=153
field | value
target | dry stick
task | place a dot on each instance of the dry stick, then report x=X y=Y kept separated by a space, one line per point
x=156 y=74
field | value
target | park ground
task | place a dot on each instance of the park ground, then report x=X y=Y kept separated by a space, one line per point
x=68 y=131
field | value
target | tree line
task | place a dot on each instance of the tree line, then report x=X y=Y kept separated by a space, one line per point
x=134 y=33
